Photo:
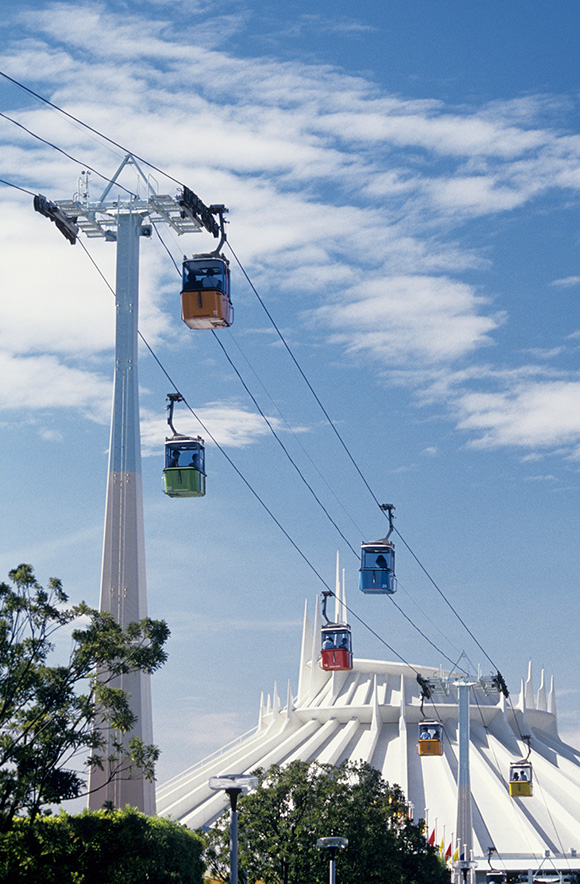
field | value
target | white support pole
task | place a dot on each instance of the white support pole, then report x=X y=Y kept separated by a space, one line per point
x=123 y=583
x=464 y=813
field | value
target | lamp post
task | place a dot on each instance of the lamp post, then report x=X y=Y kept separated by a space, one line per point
x=333 y=845
x=233 y=785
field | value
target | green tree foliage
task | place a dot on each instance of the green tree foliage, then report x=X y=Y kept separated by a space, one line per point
x=47 y=712
x=293 y=806
x=104 y=847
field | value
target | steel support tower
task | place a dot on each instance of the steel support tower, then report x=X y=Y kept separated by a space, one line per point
x=121 y=219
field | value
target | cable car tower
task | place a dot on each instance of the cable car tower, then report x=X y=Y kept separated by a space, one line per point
x=123 y=217
x=464 y=826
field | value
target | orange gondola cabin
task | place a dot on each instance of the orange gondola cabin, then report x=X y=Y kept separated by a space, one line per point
x=205 y=292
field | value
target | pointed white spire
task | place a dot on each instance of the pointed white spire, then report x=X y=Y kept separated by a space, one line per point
x=276 y=701
x=305 y=655
x=521 y=703
x=552 y=698
x=541 y=703
x=343 y=597
x=529 y=688
x=289 y=702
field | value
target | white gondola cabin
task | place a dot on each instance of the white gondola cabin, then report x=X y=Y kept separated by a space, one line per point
x=430 y=741
x=205 y=292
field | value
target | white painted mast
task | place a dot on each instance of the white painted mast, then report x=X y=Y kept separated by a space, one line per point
x=120 y=218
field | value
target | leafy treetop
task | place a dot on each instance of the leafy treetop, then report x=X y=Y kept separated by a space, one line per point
x=48 y=712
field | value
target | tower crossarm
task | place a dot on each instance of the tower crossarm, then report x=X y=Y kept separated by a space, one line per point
x=87 y=220
x=166 y=208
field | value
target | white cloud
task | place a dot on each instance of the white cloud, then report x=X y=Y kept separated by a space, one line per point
x=544 y=414
x=400 y=319
x=334 y=185
x=231 y=425
x=566 y=282
x=43 y=382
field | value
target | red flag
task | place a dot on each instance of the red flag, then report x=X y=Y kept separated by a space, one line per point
x=432 y=838
x=448 y=852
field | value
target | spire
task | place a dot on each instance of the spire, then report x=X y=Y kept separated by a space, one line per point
x=552 y=698
x=541 y=703
x=305 y=655
x=529 y=688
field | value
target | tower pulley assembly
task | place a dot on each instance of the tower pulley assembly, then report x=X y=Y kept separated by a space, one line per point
x=205 y=289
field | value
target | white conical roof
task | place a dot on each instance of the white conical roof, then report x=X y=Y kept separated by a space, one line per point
x=372 y=714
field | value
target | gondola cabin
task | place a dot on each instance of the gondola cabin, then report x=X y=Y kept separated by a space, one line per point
x=336 y=647
x=430 y=740
x=494 y=877
x=377 y=568
x=184 y=473
x=521 y=777
x=205 y=293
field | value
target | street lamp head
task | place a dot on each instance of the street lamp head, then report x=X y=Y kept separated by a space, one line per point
x=239 y=782
x=332 y=843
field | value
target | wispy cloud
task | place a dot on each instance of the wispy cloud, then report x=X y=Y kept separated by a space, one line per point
x=334 y=184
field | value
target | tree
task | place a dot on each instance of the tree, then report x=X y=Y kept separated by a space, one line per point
x=102 y=847
x=48 y=712
x=293 y=806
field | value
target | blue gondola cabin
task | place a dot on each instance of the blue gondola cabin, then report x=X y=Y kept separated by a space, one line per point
x=205 y=293
x=377 y=567
x=521 y=779
x=430 y=740
x=336 y=647
x=184 y=473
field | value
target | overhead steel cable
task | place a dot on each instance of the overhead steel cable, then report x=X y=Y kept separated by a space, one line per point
x=64 y=152
x=212 y=437
x=414 y=625
x=17 y=187
x=267 y=420
x=297 y=468
x=302 y=373
x=249 y=486
x=283 y=447
x=445 y=599
x=295 y=361
x=350 y=456
x=86 y=126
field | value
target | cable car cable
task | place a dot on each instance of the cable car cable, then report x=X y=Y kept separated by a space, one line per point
x=329 y=419
x=345 y=447
x=86 y=126
x=17 y=187
x=266 y=419
x=301 y=371
x=275 y=405
x=296 y=467
x=445 y=599
x=325 y=412
x=414 y=625
x=67 y=155
x=255 y=493
x=284 y=448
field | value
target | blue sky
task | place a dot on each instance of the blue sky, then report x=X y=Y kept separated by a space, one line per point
x=403 y=189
